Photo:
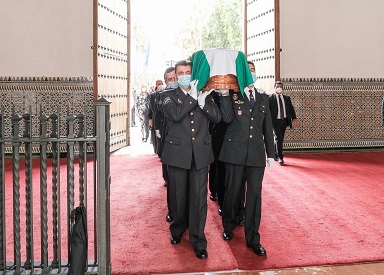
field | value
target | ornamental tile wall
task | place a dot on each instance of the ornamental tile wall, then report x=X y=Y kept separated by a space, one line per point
x=43 y=95
x=336 y=113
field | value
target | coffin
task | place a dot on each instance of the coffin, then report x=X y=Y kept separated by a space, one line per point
x=222 y=82
x=221 y=69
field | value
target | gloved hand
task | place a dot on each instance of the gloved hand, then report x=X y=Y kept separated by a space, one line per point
x=158 y=133
x=270 y=162
x=193 y=91
x=201 y=98
x=223 y=92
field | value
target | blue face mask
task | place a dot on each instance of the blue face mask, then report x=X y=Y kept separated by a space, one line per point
x=172 y=85
x=184 y=80
x=254 y=77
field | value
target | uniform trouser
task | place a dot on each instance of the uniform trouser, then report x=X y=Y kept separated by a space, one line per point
x=188 y=197
x=243 y=191
x=233 y=179
x=279 y=128
x=165 y=177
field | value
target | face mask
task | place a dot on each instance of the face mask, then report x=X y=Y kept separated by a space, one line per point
x=278 y=90
x=254 y=77
x=184 y=80
x=172 y=85
x=160 y=87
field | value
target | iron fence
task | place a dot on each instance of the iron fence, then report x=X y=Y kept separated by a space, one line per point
x=39 y=240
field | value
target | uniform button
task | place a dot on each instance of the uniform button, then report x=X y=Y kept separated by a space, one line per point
x=229 y=139
x=251 y=118
x=192 y=122
x=190 y=102
x=193 y=138
x=191 y=113
x=193 y=130
x=207 y=111
x=250 y=110
x=250 y=136
x=251 y=127
x=170 y=142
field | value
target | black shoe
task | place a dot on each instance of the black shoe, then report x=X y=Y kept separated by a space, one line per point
x=219 y=211
x=227 y=235
x=201 y=254
x=213 y=197
x=240 y=220
x=165 y=183
x=168 y=218
x=258 y=249
x=281 y=161
x=175 y=239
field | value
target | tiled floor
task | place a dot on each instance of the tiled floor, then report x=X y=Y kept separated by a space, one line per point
x=372 y=268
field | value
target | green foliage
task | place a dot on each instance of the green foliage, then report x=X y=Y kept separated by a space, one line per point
x=224 y=26
x=218 y=25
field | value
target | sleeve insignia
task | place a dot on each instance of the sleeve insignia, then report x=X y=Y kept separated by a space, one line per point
x=166 y=100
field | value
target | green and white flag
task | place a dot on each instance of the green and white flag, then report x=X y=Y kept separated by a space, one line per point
x=211 y=62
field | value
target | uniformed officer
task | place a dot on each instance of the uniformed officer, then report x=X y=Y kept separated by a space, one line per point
x=188 y=152
x=247 y=141
x=161 y=129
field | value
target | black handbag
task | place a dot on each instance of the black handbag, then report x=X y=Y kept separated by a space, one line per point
x=78 y=242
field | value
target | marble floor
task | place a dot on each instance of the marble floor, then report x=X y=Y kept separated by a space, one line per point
x=372 y=268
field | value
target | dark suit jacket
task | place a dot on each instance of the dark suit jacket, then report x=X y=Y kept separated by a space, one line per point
x=152 y=105
x=249 y=134
x=289 y=109
x=188 y=137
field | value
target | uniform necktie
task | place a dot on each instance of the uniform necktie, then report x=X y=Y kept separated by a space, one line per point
x=251 y=99
x=281 y=107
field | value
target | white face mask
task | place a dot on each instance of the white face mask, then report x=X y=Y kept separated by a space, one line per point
x=278 y=90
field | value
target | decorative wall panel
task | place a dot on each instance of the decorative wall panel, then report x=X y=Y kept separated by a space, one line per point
x=43 y=95
x=336 y=113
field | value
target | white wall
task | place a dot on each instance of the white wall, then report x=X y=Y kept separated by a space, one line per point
x=46 y=38
x=332 y=38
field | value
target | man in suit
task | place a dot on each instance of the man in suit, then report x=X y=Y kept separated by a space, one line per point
x=247 y=141
x=188 y=153
x=283 y=115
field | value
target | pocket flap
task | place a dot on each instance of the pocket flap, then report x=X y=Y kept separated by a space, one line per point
x=172 y=140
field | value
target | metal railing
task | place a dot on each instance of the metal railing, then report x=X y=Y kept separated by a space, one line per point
x=39 y=241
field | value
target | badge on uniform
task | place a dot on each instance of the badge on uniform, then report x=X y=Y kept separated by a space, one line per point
x=234 y=97
x=178 y=100
x=239 y=112
x=166 y=100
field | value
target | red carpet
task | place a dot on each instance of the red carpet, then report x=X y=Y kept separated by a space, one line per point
x=324 y=208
